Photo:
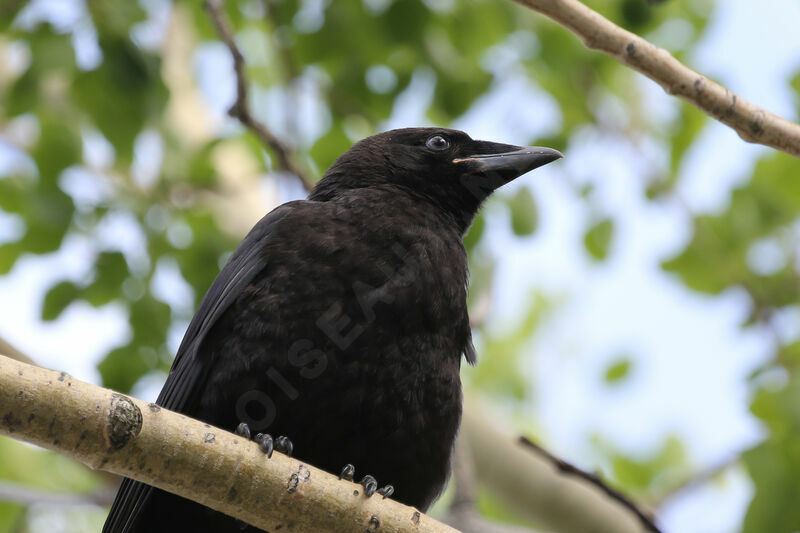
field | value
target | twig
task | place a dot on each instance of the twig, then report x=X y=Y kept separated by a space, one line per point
x=124 y=435
x=240 y=110
x=752 y=123
x=27 y=496
x=567 y=468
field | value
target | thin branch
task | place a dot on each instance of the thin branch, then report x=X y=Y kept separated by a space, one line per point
x=535 y=486
x=752 y=123
x=568 y=468
x=124 y=435
x=27 y=496
x=240 y=109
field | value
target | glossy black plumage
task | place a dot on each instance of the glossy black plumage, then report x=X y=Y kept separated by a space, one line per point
x=340 y=321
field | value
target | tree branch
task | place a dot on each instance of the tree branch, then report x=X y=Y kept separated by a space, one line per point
x=240 y=110
x=614 y=494
x=752 y=123
x=462 y=514
x=14 y=353
x=113 y=432
x=534 y=485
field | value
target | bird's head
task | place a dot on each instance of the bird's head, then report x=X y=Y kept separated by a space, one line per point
x=446 y=167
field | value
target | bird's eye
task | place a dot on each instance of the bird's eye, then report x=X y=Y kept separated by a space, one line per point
x=437 y=142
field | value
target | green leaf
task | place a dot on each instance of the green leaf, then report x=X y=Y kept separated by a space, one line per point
x=716 y=257
x=8 y=10
x=110 y=271
x=59 y=147
x=112 y=17
x=658 y=470
x=685 y=131
x=46 y=210
x=122 y=368
x=122 y=94
x=52 y=66
x=635 y=14
x=150 y=320
x=774 y=465
x=9 y=253
x=524 y=213
x=597 y=239
x=618 y=370
x=199 y=261
x=58 y=298
x=330 y=146
x=25 y=93
x=48 y=216
x=202 y=172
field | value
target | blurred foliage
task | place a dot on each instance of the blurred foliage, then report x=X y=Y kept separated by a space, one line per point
x=660 y=470
x=524 y=214
x=597 y=238
x=80 y=96
x=725 y=252
x=775 y=463
x=618 y=370
x=50 y=473
x=500 y=369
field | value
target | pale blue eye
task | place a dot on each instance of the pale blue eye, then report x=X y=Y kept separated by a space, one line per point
x=437 y=142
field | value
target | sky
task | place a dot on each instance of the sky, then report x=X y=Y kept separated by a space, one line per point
x=690 y=356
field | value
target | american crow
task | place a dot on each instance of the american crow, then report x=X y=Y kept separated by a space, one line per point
x=340 y=321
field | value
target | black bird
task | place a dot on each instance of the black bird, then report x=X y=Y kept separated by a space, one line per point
x=340 y=321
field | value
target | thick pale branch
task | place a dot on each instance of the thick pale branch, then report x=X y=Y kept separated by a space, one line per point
x=538 y=487
x=752 y=123
x=9 y=350
x=593 y=479
x=463 y=514
x=126 y=436
x=240 y=109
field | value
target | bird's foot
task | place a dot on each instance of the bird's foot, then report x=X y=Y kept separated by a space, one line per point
x=265 y=441
x=369 y=483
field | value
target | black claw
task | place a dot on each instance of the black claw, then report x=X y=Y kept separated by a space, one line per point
x=348 y=472
x=265 y=443
x=284 y=445
x=386 y=491
x=370 y=485
x=243 y=430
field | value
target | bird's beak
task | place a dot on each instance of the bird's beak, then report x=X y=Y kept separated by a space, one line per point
x=507 y=162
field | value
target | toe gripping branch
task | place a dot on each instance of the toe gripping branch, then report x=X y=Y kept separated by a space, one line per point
x=265 y=441
x=369 y=483
x=284 y=445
